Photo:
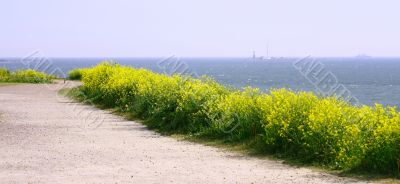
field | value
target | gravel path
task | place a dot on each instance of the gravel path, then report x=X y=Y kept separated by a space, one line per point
x=45 y=138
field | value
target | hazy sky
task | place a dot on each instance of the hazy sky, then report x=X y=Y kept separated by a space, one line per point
x=132 y=28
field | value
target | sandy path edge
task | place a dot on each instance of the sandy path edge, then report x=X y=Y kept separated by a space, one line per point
x=46 y=138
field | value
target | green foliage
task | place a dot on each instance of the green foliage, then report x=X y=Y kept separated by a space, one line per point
x=75 y=74
x=326 y=131
x=4 y=74
x=25 y=76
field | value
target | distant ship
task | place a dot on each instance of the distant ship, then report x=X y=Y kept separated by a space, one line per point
x=263 y=58
x=255 y=58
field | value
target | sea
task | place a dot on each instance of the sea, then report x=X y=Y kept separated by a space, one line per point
x=369 y=80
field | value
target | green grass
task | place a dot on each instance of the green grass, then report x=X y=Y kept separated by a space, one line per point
x=297 y=126
x=73 y=93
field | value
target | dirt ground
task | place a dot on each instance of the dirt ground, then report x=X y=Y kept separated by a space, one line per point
x=46 y=138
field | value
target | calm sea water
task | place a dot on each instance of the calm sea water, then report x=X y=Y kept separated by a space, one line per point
x=371 y=80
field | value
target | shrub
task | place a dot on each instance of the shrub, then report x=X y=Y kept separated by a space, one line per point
x=193 y=100
x=4 y=74
x=284 y=116
x=235 y=115
x=25 y=76
x=75 y=74
x=326 y=131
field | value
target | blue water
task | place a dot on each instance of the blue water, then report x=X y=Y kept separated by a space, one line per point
x=371 y=80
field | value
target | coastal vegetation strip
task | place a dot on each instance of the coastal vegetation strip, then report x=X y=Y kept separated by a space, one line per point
x=325 y=131
x=24 y=76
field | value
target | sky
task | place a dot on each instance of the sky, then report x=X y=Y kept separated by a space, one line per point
x=199 y=28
